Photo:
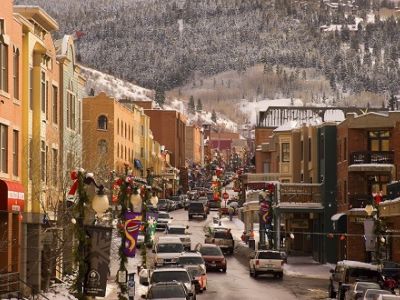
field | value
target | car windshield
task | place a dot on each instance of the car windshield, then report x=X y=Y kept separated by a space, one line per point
x=223 y=235
x=163 y=216
x=195 y=260
x=373 y=294
x=269 y=255
x=175 y=198
x=169 y=248
x=168 y=276
x=196 y=205
x=362 y=286
x=360 y=273
x=166 y=292
x=211 y=251
x=176 y=230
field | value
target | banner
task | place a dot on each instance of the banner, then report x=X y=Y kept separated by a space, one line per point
x=131 y=227
x=151 y=218
x=265 y=213
x=369 y=234
x=99 y=258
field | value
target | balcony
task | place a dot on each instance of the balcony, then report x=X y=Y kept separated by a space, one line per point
x=372 y=157
x=390 y=208
x=372 y=161
x=359 y=201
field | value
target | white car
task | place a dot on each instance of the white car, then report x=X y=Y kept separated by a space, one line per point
x=167 y=251
x=373 y=294
x=179 y=231
x=267 y=262
x=163 y=220
x=194 y=263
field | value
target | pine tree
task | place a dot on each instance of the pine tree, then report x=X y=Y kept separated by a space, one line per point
x=191 y=105
x=160 y=96
x=199 y=106
x=214 y=116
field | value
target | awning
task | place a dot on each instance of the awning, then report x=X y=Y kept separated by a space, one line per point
x=138 y=164
x=11 y=196
x=339 y=221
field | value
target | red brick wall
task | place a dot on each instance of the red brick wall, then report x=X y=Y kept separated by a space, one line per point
x=355 y=244
x=262 y=135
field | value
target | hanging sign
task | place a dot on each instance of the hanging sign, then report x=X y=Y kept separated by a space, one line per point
x=131 y=228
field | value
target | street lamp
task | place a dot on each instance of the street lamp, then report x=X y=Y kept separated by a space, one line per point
x=100 y=203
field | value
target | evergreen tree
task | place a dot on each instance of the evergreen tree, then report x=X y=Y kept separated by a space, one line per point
x=392 y=102
x=191 y=105
x=214 y=116
x=160 y=96
x=199 y=106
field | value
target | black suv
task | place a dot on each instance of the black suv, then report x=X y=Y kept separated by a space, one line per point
x=197 y=208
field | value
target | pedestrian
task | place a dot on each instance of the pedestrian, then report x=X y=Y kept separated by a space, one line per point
x=230 y=211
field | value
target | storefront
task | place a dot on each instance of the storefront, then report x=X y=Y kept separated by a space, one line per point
x=11 y=208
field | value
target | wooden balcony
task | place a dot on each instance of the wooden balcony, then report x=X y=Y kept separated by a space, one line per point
x=359 y=201
x=389 y=208
x=372 y=157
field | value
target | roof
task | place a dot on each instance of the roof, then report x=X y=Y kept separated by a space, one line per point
x=37 y=14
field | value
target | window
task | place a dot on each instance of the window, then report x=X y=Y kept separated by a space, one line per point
x=15 y=152
x=3 y=148
x=345 y=148
x=30 y=158
x=102 y=147
x=43 y=160
x=46 y=164
x=55 y=166
x=378 y=140
x=71 y=107
x=142 y=128
x=117 y=150
x=16 y=72
x=117 y=126
x=31 y=88
x=47 y=100
x=3 y=66
x=54 y=101
x=102 y=122
x=142 y=152
x=43 y=91
x=285 y=152
x=301 y=150
x=2 y=29
x=309 y=149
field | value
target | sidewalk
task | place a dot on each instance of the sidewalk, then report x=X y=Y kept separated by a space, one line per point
x=297 y=266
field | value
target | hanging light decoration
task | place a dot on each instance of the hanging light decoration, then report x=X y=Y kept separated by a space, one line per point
x=291 y=236
x=342 y=237
x=136 y=201
x=100 y=202
x=154 y=200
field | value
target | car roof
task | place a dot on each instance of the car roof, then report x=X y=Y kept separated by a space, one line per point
x=177 y=226
x=174 y=282
x=190 y=254
x=209 y=245
x=269 y=251
x=169 y=270
x=169 y=239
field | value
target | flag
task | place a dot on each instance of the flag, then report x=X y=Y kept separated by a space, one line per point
x=131 y=228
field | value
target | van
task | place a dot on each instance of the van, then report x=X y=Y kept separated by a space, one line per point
x=348 y=272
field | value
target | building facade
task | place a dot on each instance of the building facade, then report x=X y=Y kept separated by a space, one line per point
x=12 y=193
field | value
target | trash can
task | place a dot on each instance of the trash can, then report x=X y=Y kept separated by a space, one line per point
x=252 y=244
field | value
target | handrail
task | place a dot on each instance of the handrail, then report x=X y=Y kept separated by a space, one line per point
x=33 y=291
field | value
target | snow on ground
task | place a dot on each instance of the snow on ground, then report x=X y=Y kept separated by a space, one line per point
x=115 y=87
x=203 y=117
x=252 y=108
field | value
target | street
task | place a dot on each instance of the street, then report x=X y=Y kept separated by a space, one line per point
x=237 y=284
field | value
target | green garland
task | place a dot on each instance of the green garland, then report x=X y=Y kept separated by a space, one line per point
x=123 y=198
x=77 y=287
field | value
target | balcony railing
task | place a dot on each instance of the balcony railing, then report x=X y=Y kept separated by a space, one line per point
x=372 y=157
x=359 y=201
x=9 y=283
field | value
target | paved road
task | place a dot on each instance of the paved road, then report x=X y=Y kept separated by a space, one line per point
x=237 y=284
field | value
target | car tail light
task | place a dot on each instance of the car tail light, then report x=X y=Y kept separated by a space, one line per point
x=257 y=262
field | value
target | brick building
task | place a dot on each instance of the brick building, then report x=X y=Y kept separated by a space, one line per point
x=11 y=189
x=367 y=160
x=194 y=141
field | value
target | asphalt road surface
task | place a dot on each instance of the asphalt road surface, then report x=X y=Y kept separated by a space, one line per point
x=237 y=284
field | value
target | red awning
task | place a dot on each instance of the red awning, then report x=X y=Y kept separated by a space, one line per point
x=11 y=196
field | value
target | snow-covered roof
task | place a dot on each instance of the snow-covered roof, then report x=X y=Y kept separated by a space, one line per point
x=334 y=115
x=288 y=126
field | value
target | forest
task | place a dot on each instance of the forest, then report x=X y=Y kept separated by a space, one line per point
x=162 y=44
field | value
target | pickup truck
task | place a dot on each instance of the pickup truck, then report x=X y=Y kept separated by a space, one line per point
x=221 y=237
x=266 y=262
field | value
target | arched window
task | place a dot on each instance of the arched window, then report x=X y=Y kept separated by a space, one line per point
x=117 y=126
x=102 y=122
x=102 y=147
x=117 y=150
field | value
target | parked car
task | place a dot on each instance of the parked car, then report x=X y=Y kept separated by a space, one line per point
x=178 y=200
x=192 y=258
x=391 y=269
x=199 y=277
x=174 y=274
x=194 y=263
x=179 y=231
x=185 y=201
x=167 y=251
x=163 y=220
x=212 y=203
x=266 y=262
x=197 y=208
x=204 y=200
x=388 y=297
x=213 y=257
x=348 y=272
x=357 y=290
x=373 y=294
x=168 y=290
x=221 y=237
x=164 y=205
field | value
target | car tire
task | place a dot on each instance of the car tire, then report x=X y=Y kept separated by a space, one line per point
x=251 y=273
x=255 y=274
x=280 y=275
x=224 y=270
x=331 y=292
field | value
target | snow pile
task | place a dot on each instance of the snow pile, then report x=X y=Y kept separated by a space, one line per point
x=115 y=87
x=251 y=109
x=202 y=117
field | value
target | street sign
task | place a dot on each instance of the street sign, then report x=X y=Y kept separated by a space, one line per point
x=225 y=195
